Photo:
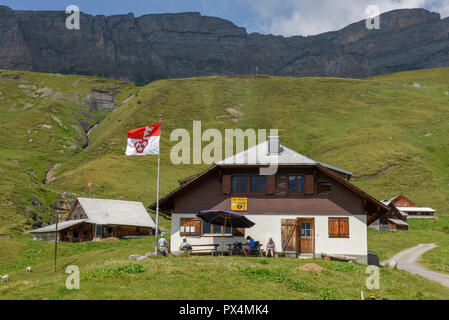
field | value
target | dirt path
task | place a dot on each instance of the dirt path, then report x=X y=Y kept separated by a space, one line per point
x=407 y=260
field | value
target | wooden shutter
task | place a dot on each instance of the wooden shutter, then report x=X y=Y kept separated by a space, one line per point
x=226 y=184
x=309 y=184
x=323 y=187
x=338 y=227
x=344 y=227
x=289 y=234
x=238 y=232
x=190 y=222
x=182 y=226
x=196 y=223
x=271 y=184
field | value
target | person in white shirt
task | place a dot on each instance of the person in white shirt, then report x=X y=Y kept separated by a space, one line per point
x=163 y=245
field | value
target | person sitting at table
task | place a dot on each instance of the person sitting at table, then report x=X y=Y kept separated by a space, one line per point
x=270 y=248
x=185 y=246
x=250 y=243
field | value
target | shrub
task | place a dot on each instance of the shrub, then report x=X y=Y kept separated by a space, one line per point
x=113 y=272
x=327 y=294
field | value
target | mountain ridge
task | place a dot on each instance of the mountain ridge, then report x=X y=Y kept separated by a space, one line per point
x=179 y=45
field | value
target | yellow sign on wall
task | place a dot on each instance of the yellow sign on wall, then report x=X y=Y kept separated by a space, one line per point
x=239 y=204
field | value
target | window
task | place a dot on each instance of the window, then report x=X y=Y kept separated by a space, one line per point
x=296 y=184
x=306 y=230
x=249 y=184
x=239 y=184
x=75 y=234
x=338 y=227
x=109 y=230
x=137 y=229
x=190 y=227
x=258 y=184
x=216 y=229
x=324 y=188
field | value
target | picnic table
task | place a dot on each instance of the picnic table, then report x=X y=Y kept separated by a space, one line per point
x=208 y=247
x=258 y=251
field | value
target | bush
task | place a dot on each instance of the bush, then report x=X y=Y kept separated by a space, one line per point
x=113 y=272
x=327 y=294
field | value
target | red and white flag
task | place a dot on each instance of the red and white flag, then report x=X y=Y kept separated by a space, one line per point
x=144 y=141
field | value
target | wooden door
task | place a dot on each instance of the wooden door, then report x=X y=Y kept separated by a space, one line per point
x=306 y=235
x=289 y=235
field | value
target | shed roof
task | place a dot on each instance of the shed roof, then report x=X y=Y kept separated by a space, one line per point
x=258 y=155
x=117 y=212
x=61 y=226
x=107 y=212
x=398 y=222
x=416 y=209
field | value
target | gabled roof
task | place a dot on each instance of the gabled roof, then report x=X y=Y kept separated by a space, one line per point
x=320 y=167
x=107 y=212
x=61 y=226
x=118 y=212
x=258 y=155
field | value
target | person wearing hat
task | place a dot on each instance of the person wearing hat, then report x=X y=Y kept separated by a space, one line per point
x=163 y=245
x=185 y=246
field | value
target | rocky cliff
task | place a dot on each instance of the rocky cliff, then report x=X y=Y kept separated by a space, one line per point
x=159 y=46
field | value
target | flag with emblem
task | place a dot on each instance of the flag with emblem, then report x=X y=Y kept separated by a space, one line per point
x=144 y=141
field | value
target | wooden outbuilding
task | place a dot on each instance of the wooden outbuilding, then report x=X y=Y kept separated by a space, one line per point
x=92 y=219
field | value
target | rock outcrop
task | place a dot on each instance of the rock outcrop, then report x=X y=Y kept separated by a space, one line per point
x=158 y=46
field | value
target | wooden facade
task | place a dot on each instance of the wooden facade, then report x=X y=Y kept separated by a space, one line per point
x=403 y=201
x=316 y=215
x=215 y=191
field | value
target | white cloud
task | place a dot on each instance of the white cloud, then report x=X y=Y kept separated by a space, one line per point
x=309 y=17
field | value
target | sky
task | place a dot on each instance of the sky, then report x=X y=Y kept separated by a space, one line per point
x=278 y=17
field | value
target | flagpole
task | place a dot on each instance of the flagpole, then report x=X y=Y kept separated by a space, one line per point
x=157 y=192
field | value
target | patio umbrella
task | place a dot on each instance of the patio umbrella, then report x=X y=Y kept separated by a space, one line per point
x=225 y=218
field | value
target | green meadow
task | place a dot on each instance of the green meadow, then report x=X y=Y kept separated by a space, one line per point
x=106 y=273
x=391 y=131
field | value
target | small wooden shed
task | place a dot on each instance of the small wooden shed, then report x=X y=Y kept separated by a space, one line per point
x=91 y=219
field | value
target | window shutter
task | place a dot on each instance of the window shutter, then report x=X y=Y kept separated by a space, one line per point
x=182 y=226
x=338 y=227
x=238 y=232
x=345 y=227
x=196 y=223
x=309 y=184
x=332 y=226
x=190 y=223
x=271 y=184
x=226 y=184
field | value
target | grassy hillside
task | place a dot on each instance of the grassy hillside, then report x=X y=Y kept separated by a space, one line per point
x=41 y=124
x=391 y=135
x=390 y=131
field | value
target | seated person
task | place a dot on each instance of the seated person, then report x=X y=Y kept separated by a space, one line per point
x=185 y=246
x=270 y=248
x=250 y=244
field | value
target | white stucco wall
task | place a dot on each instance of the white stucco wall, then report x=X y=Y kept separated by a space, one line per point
x=269 y=225
x=176 y=239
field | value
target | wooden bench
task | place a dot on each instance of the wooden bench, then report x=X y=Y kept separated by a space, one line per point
x=207 y=248
x=258 y=252
x=342 y=258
